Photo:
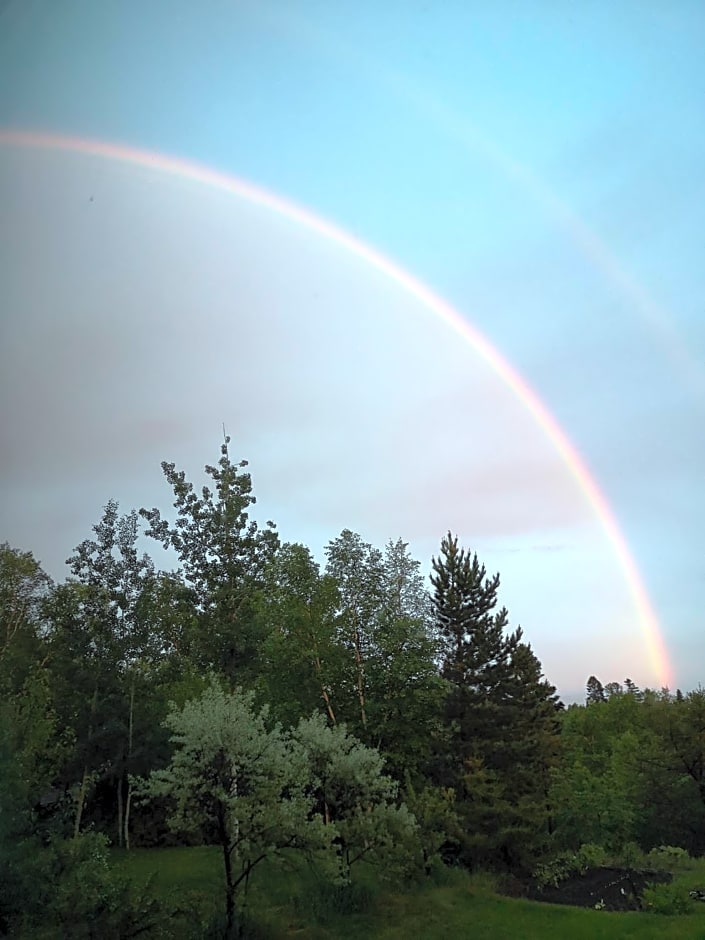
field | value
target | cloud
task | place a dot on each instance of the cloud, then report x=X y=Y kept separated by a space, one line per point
x=169 y=311
x=172 y=311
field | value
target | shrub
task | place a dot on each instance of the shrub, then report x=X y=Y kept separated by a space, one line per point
x=567 y=864
x=666 y=899
x=561 y=867
x=592 y=856
x=669 y=856
x=629 y=856
x=76 y=894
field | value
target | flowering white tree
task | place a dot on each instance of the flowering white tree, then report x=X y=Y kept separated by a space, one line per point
x=264 y=790
x=353 y=795
x=230 y=772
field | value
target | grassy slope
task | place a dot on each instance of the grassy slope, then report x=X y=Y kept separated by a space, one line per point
x=464 y=908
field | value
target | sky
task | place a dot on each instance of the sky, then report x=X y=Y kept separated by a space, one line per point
x=538 y=167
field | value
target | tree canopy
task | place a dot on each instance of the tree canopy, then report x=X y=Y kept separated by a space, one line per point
x=270 y=702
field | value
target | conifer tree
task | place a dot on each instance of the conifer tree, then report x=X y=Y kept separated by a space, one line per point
x=476 y=653
x=594 y=691
x=501 y=716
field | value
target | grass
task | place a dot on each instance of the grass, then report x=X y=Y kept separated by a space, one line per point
x=294 y=903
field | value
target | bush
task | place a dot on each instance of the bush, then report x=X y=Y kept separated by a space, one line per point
x=629 y=856
x=592 y=855
x=666 y=899
x=71 y=891
x=670 y=857
x=561 y=867
x=567 y=864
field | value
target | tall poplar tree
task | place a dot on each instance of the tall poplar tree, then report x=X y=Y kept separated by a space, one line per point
x=356 y=566
x=223 y=554
x=99 y=641
x=303 y=663
x=390 y=692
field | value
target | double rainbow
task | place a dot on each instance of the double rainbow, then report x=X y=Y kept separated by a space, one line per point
x=655 y=646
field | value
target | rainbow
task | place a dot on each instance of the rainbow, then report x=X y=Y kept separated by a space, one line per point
x=472 y=139
x=655 y=646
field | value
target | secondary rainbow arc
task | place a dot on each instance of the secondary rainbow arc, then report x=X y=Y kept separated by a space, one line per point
x=576 y=465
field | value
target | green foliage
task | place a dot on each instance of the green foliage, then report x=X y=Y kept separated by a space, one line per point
x=355 y=644
x=630 y=855
x=433 y=695
x=303 y=665
x=223 y=554
x=499 y=740
x=262 y=791
x=595 y=691
x=630 y=772
x=439 y=828
x=667 y=899
x=407 y=692
x=32 y=748
x=112 y=576
x=230 y=770
x=670 y=857
x=475 y=651
x=563 y=866
x=592 y=856
x=24 y=588
x=354 y=798
x=70 y=890
x=566 y=865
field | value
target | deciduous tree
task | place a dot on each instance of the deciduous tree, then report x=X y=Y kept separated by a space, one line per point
x=249 y=783
x=223 y=554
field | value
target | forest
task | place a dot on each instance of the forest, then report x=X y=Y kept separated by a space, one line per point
x=350 y=719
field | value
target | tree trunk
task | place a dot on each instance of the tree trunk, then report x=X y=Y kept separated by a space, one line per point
x=128 y=801
x=84 y=780
x=229 y=883
x=130 y=729
x=79 y=803
x=119 y=810
x=229 y=894
x=360 y=675
x=318 y=668
x=324 y=691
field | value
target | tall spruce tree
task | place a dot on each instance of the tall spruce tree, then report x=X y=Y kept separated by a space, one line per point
x=476 y=652
x=500 y=722
x=594 y=691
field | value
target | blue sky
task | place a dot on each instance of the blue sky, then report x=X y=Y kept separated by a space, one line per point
x=539 y=165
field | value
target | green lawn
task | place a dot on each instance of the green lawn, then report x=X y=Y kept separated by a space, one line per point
x=284 y=905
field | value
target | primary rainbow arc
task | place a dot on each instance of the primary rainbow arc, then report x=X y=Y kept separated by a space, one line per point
x=655 y=645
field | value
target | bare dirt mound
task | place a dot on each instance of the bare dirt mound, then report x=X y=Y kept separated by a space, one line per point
x=611 y=889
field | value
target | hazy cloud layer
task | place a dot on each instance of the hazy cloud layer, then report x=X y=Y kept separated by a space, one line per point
x=541 y=172
x=355 y=407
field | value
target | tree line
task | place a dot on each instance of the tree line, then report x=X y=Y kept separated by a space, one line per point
x=254 y=699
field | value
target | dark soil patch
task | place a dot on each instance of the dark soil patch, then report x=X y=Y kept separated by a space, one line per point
x=618 y=889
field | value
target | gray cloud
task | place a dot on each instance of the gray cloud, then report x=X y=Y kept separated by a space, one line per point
x=137 y=323
x=156 y=311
